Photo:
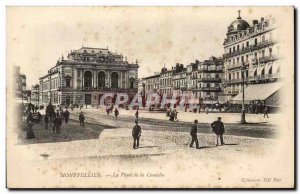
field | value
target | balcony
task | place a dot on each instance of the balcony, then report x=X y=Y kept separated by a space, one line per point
x=210 y=70
x=120 y=90
x=209 y=79
x=267 y=59
x=254 y=62
x=212 y=89
x=257 y=46
x=236 y=81
x=264 y=77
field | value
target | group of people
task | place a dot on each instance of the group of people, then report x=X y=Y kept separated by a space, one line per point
x=56 y=117
x=172 y=114
x=217 y=127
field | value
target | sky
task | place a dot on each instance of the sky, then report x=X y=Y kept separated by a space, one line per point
x=155 y=36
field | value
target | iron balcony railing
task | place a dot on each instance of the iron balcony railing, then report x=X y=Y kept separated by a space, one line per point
x=216 y=89
x=264 y=77
x=209 y=79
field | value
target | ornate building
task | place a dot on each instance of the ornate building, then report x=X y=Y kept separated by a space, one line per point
x=86 y=75
x=255 y=49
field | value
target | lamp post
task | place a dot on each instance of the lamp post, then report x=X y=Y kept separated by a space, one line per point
x=243 y=70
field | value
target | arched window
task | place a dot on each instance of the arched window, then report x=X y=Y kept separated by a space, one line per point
x=263 y=71
x=131 y=83
x=101 y=79
x=88 y=78
x=114 y=80
x=255 y=73
x=68 y=81
x=270 y=70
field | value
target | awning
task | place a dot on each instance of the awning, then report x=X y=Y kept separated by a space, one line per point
x=258 y=92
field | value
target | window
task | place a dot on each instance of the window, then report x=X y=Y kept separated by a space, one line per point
x=247 y=44
x=263 y=53
x=270 y=51
x=78 y=73
x=238 y=47
x=263 y=38
x=68 y=82
x=242 y=59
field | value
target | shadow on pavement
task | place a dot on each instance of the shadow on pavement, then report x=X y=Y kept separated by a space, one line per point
x=148 y=147
x=231 y=144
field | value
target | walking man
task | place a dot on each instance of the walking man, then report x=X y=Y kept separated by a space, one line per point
x=136 y=134
x=116 y=113
x=218 y=129
x=194 y=135
x=266 y=111
x=81 y=119
x=66 y=115
x=46 y=121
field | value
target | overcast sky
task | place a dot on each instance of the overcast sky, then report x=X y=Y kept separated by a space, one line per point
x=37 y=37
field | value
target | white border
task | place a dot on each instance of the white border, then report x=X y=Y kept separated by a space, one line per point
x=4 y=3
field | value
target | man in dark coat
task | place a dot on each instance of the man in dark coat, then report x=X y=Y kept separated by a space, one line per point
x=57 y=124
x=218 y=129
x=81 y=119
x=193 y=133
x=116 y=113
x=136 y=134
x=46 y=121
x=66 y=116
x=266 y=111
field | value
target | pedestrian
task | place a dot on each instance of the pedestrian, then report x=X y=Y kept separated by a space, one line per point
x=46 y=119
x=116 y=113
x=66 y=116
x=29 y=133
x=136 y=134
x=81 y=119
x=219 y=130
x=107 y=110
x=175 y=115
x=57 y=113
x=39 y=116
x=172 y=115
x=137 y=114
x=193 y=133
x=266 y=111
x=57 y=124
x=206 y=110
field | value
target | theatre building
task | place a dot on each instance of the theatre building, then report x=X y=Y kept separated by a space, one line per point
x=85 y=75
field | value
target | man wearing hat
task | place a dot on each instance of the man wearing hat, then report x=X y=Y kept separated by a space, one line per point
x=218 y=129
x=136 y=134
x=194 y=135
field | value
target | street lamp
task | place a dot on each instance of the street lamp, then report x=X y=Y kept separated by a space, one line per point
x=243 y=70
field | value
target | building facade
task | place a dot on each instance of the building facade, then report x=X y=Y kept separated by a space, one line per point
x=166 y=82
x=255 y=48
x=209 y=80
x=19 y=82
x=200 y=80
x=179 y=80
x=86 y=75
x=152 y=84
x=35 y=94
